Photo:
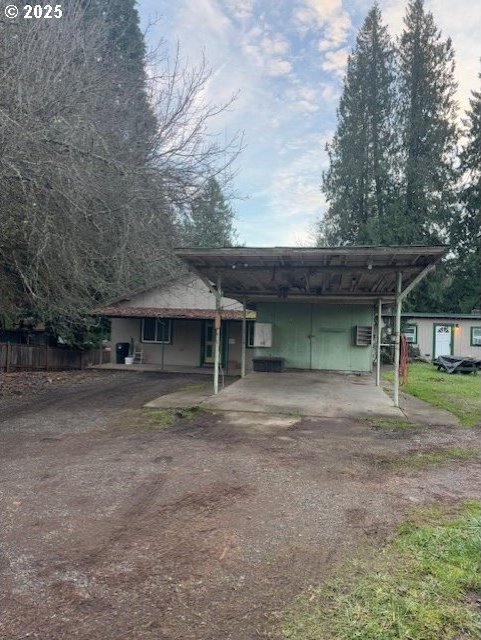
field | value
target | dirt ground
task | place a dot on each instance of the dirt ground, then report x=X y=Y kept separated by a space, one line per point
x=114 y=528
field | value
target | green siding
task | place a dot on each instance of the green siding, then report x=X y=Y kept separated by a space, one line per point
x=315 y=336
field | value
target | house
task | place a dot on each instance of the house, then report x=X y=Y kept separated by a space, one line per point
x=316 y=307
x=440 y=334
x=172 y=325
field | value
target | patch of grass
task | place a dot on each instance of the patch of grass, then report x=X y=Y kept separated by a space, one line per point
x=163 y=418
x=160 y=417
x=416 y=588
x=190 y=413
x=421 y=459
x=457 y=393
x=392 y=423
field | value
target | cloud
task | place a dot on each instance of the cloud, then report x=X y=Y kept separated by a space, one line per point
x=277 y=67
x=267 y=51
x=274 y=45
x=206 y=12
x=336 y=32
x=295 y=187
x=329 y=17
x=303 y=98
x=335 y=61
x=241 y=9
x=330 y=92
x=318 y=12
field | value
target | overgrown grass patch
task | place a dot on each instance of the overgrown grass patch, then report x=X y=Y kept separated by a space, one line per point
x=392 y=423
x=422 y=459
x=163 y=418
x=418 y=587
x=460 y=394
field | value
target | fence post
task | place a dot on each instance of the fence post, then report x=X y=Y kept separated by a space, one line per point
x=7 y=358
x=81 y=360
x=46 y=357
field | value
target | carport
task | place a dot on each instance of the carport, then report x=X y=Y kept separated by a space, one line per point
x=317 y=308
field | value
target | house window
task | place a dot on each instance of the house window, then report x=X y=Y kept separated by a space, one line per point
x=157 y=330
x=411 y=333
x=250 y=334
x=476 y=336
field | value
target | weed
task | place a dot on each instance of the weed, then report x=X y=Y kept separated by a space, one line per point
x=392 y=423
x=160 y=418
x=421 y=459
x=163 y=418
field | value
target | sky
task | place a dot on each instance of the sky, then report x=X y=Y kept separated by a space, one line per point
x=285 y=60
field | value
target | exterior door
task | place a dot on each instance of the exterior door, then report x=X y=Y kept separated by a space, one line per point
x=209 y=342
x=443 y=340
x=330 y=341
x=207 y=355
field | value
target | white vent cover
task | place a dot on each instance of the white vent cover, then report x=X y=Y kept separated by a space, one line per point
x=262 y=334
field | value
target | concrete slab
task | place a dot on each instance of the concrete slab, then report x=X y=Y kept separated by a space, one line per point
x=203 y=371
x=263 y=422
x=306 y=393
x=189 y=396
x=421 y=412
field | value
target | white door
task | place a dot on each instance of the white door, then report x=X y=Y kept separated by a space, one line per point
x=442 y=340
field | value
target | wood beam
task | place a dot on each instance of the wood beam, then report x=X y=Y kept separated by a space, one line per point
x=397 y=337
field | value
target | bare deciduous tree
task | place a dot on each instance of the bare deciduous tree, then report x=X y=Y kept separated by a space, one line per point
x=86 y=210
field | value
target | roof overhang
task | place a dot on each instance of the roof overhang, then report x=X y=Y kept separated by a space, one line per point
x=357 y=274
x=179 y=314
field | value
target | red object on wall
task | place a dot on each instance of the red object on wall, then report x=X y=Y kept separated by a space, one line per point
x=403 y=359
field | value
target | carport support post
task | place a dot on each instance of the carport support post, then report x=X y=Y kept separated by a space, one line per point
x=397 y=338
x=218 y=295
x=243 y=339
x=378 y=343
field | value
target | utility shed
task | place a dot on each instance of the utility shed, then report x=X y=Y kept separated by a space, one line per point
x=315 y=336
x=320 y=303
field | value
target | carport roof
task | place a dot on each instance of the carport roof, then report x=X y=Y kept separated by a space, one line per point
x=350 y=274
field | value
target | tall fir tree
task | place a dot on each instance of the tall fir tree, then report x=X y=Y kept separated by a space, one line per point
x=360 y=182
x=427 y=119
x=124 y=54
x=464 y=293
x=429 y=135
x=210 y=222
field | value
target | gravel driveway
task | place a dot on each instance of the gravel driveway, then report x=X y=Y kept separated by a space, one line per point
x=114 y=528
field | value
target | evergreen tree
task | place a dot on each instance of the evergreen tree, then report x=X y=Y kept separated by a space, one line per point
x=131 y=117
x=211 y=219
x=427 y=123
x=360 y=182
x=464 y=294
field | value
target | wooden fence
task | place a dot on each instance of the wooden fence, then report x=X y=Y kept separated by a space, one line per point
x=22 y=357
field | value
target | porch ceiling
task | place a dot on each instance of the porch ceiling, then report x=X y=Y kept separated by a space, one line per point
x=351 y=274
